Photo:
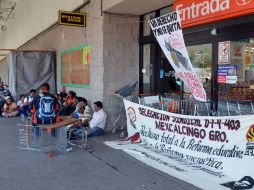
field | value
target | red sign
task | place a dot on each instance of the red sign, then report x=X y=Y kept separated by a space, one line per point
x=222 y=79
x=198 y=12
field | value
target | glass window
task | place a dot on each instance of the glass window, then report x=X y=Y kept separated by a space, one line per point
x=201 y=59
x=167 y=77
x=236 y=76
x=166 y=10
x=146 y=25
x=148 y=68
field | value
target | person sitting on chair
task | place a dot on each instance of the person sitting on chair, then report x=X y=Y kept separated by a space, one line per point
x=10 y=108
x=79 y=113
x=88 y=111
x=96 y=126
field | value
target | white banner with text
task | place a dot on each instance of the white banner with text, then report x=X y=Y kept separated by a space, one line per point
x=222 y=146
x=168 y=32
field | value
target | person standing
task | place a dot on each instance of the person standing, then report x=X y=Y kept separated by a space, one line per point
x=207 y=86
x=45 y=107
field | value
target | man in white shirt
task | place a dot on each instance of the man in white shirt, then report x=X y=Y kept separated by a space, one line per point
x=96 y=125
x=98 y=122
x=28 y=101
x=30 y=98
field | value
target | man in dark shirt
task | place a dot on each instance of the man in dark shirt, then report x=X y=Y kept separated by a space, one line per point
x=45 y=107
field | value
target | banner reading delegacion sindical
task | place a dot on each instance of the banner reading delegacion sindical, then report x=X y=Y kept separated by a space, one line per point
x=216 y=148
x=168 y=32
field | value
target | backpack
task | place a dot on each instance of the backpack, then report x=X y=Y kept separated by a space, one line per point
x=46 y=111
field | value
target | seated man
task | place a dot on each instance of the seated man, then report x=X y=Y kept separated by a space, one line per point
x=20 y=105
x=98 y=123
x=79 y=113
x=88 y=111
x=10 y=108
x=28 y=101
x=69 y=105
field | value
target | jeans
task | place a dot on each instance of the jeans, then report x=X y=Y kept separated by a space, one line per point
x=95 y=131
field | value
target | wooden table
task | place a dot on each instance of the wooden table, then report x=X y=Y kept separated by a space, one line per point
x=64 y=121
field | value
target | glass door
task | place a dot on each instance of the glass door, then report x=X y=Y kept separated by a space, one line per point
x=167 y=77
x=236 y=77
x=148 y=68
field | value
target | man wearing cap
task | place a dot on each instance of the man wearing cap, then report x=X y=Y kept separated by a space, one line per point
x=97 y=124
x=80 y=109
x=10 y=108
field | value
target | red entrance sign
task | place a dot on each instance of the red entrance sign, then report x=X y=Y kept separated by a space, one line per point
x=198 y=12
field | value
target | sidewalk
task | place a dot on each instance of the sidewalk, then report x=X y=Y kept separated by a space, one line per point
x=100 y=168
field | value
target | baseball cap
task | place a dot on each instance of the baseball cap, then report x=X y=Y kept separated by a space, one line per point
x=7 y=98
x=79 y=106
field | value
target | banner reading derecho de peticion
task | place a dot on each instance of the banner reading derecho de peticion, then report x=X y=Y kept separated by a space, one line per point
x=223 y=146
x=168 y=32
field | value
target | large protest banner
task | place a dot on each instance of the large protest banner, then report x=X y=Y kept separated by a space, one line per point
x=168 y=32
x=221 y=146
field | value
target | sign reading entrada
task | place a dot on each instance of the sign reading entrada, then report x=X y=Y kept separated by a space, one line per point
x=198 y=12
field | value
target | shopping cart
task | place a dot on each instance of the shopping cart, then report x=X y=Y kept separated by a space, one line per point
x=233 y=108
x=41 y=139
x=246 y=107
x=126 y=92
x=152 y=101
x=222 y=109
x=204 y=109
x=184 y=107
x=49 y=139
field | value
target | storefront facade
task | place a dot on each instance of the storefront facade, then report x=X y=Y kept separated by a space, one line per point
x=124 y=50
x=219 y=36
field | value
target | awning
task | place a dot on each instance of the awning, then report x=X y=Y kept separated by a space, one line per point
x=134 y=7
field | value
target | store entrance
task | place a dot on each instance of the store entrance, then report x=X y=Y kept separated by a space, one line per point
x=167 y=81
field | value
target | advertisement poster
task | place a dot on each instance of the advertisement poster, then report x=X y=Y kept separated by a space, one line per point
x=224 y=53
x=86 y=55
x=219 y=149
x=168 y=32
x=227 y=74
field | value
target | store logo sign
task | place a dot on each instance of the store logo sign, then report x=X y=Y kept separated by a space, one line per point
x=197 y=12
x=72 y=18
x=243 y=2
x=202 y=9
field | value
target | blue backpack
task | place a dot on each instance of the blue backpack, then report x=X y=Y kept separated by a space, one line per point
x=46 y=113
